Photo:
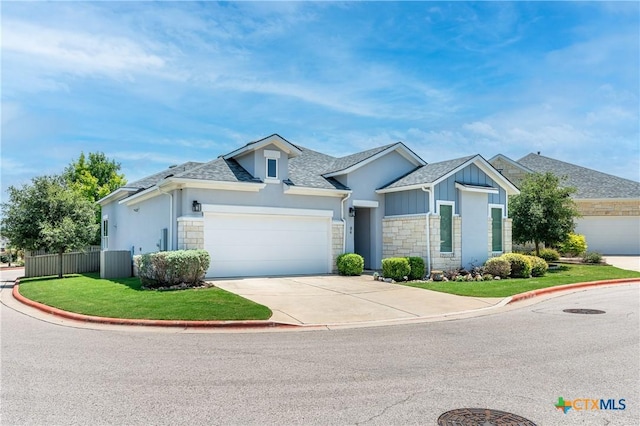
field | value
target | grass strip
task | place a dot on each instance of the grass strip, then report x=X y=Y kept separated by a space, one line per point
x=124 y=298
x=564 y=274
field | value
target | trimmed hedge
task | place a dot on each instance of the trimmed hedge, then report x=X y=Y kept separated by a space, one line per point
x=539 y=266
x=497 y=267
x=350 y=264
x=396 y=268
x=520 y=265
x=417 y=268
x=169 y=268
x=549 y=254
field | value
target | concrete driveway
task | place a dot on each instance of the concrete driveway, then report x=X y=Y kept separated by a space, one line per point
x=332 y=299
x=631 y=263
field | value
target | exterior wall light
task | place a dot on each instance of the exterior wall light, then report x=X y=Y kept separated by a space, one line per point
x=196 y=206
x=352 y=212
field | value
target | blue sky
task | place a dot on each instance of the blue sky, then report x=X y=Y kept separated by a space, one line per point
x=155 y=84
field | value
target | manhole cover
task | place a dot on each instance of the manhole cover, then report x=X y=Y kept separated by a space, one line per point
x=583 y=311
x=481 y=417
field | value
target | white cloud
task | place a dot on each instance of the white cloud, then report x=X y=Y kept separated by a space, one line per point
x=77 y=52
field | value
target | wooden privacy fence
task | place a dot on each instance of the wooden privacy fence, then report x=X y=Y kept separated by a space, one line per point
x=72 y=263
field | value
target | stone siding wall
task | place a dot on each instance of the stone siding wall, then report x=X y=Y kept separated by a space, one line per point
x=507 y=243
x=404 y=236
x=445 y=261
x=190 y=233
x=337 y=237
x=608 y=207
x=511 y=172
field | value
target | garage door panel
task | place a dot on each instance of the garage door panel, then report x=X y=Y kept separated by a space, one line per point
x=611 y=234
x=249 y=245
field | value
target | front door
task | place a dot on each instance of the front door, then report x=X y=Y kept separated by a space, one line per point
x=362 y=234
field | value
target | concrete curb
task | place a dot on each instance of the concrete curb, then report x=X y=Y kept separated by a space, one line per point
x=257 y=324
x=143 y=322
x=549 y=290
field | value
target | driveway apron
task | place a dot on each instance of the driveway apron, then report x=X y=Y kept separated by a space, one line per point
x=331 y=299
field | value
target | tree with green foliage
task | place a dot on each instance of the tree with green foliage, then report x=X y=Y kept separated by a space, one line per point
x=543 y=212
x=47 y=214
x=94 y=177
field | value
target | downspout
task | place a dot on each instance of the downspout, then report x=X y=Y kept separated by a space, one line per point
x=170 y=236
x=428 y=232
x=344 y=224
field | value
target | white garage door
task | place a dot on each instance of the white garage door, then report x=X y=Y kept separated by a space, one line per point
x=243 y=244
x=611 y=234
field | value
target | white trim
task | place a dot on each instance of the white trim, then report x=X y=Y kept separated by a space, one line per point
x=366 y=203
x=409 y=216
x=277 y=140
x=441 y=202
x=320 y=192
x=124 y=191
x=271 y=154
x=266 y=164
x=488 y=169
x=190 y=218
x=453 y=214
x=178 y=183
x=269 y=180
x=404 y=151
x=510 y=161
x=405 y=188
x=476 y=188
x=279 y=211
x=496 y=206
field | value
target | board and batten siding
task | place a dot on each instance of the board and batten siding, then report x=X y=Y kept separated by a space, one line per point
x=470 y=175
x=415 y=201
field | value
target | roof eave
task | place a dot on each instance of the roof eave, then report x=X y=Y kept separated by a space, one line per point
x=404 y=151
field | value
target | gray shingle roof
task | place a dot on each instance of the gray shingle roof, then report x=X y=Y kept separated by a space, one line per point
x=429 y=173
x=307 y=169
x=353 y=159
x=588 y=182
x=156 y=178
x=219 y=170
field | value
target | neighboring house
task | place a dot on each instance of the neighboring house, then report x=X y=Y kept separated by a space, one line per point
x=609 y=205
x=272 y=207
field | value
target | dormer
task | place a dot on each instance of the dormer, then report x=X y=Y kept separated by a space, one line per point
x=266 y=159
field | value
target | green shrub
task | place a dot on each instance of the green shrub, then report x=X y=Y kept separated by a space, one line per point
x=539 y=266
x=417 y=268
x=575 y=245
x=396 y=268
x=497 y=267
x=592 y=257
x=549 y=254
x=520 y=265
x=350 y=264
x=169 y=268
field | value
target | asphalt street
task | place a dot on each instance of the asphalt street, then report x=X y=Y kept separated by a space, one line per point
x=520 y=361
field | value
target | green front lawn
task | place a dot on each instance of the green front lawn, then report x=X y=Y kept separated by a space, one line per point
x=123 y=298
x=566 y=274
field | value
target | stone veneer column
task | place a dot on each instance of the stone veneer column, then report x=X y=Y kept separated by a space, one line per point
x=337 y=238
x=507 y=235
x=190 y=233
x=404 y=236
x=446 y=261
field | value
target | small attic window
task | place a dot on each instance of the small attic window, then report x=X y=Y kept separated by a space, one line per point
x=272 y=168
x=272 y=163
